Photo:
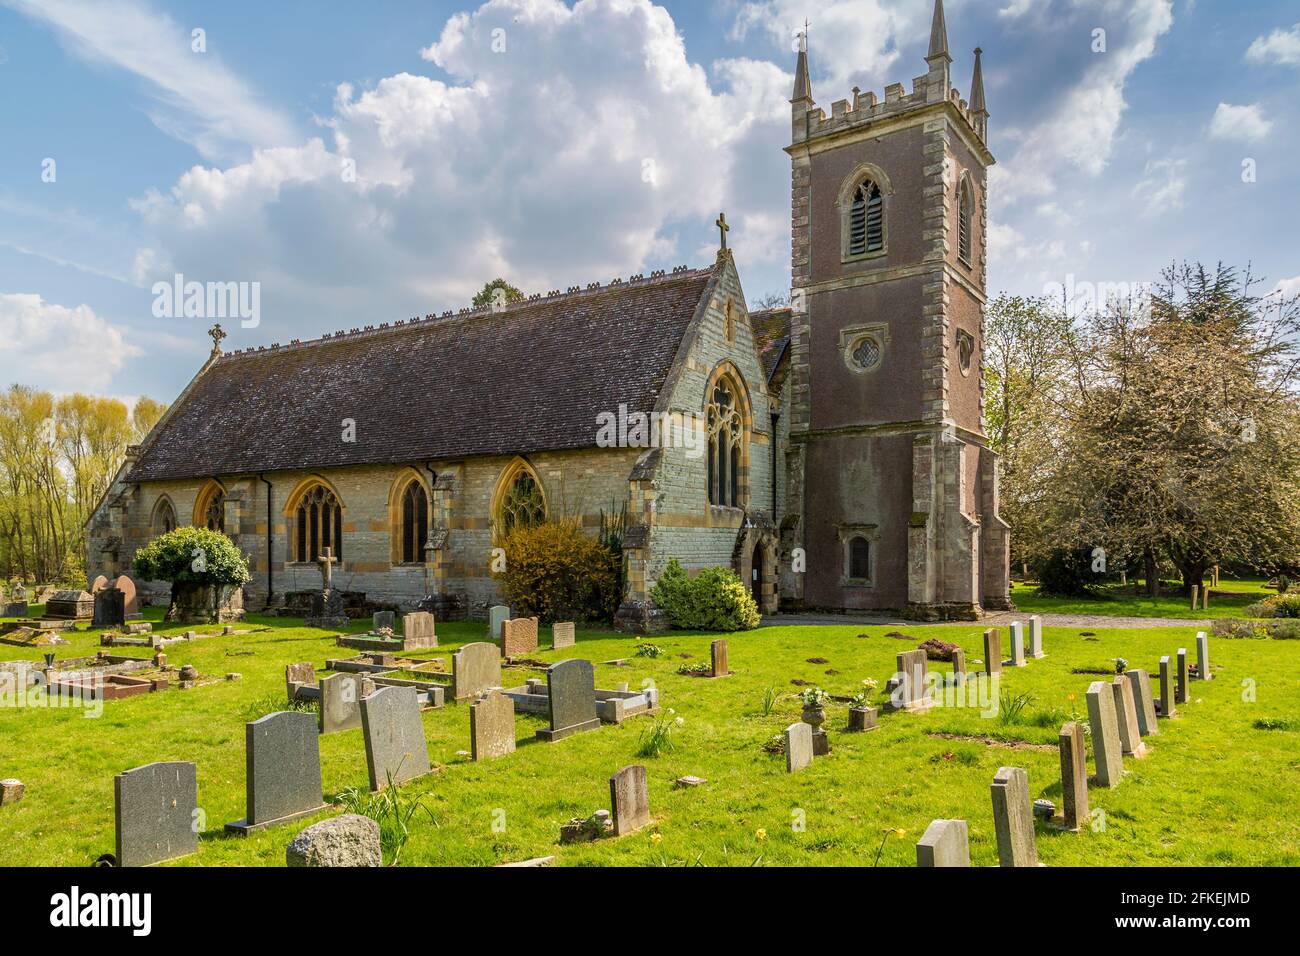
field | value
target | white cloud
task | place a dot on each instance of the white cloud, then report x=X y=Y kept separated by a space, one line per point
x=1280 y=46
x=1240 y=123
x=1163 y=185
x=1288 y=287
x=1018 y=8
x=58 y=348
x=200 y=101
x=587 y=148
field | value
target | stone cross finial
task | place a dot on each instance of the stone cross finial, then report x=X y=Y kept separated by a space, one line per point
x=326 y=562
x=723 y=228
x=217 y=334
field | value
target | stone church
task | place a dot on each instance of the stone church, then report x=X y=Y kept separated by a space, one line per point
x=831 y=452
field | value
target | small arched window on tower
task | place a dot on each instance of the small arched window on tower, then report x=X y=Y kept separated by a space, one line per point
x=965 y=209
x=866 y=219
x=415 y=522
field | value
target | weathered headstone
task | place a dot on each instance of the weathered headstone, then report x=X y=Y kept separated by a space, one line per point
x=1013 y=818
x=475 y=669
x=571 y=690
x=498 y=614
x=1146 y=708
x=718 y=659
x=992 y=652
x=518 y=637
x=381 y=619
x=1184 y=685
x=944 y=843
x=110 y=608
x=394 y=735
x=959 y=667
x=282 y=766
x=798 y=746
x=340 y=701
x=1196 y=597
x=130 y=599
x=1036 y=637
x=417 y=630
x=1203 y=656
x=1130 y=734
x=562 y=635
x=1105 y=734
x=492 y=726
x=912 y=690
x=1167 y=706
x=154 y=813
x=298 y=675
x=1074 y=776
x=1017 y=644
x=100 y=582
x=629 y=798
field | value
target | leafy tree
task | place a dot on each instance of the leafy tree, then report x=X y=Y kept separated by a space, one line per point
x=191 y=555
x=489 y=295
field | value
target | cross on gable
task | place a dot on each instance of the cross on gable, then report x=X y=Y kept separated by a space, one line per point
x=723 y=228
x=217 y=333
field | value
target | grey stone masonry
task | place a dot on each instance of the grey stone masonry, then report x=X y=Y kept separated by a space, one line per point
x=1017 y=644
x=340 y=701
x=476 y=669
x=154 y=813
x=1036 y=637
x=944 y=843
x=1013 y=818
x=498 y=614
x=492 y=726
x=571 y=691
x=1184 y=685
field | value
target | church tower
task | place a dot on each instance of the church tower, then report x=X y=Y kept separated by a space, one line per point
x=893 y=491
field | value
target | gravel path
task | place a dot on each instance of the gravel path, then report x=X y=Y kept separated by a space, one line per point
x=991 y=619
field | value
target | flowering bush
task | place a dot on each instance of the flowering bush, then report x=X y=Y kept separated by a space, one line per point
x=555 y=572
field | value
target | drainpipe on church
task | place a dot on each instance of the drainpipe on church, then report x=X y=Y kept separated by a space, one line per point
x=262 y=478
x=775 y=418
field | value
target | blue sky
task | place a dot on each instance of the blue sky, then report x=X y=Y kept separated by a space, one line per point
x=369 y=162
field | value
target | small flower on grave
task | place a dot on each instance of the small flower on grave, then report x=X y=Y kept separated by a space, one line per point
x=656 y=838
x=814 y=697
x=775 y=744
x=860 y=701
x=760 y=834
x=1121 y=665
x=646 y=649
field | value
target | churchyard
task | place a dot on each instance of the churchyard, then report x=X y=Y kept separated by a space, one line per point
x=1213 y=788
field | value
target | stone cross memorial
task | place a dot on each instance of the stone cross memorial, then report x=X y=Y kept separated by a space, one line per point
x=992 y=652
x=1105 y=734
x=282 y=767
x=944 y=843
x=718 y=666
x=629 y=798
x=498 y=614
x=1074 y=776
x=798 y=746
x=491 y=726
x=571 y=689
x=154 y=813
x=394 y=735
x=1013 y=818
x=1203 y=656
x=1146 y=708
x=1167 y=706
x=475 y=669
x=1130 y=734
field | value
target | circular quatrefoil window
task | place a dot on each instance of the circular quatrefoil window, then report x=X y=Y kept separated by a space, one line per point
x=866 y=353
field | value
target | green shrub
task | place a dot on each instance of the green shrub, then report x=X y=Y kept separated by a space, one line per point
x=555 y=572
x=1286 y=605
x=713 y=600
x=192 y=556
x=1067 y=573
x=1284 y=630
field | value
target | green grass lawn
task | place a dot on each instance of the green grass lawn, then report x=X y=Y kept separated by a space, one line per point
x=1117 y=601
x=1214 y=789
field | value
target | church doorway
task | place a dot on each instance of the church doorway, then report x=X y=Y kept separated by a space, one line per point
x=756 y=574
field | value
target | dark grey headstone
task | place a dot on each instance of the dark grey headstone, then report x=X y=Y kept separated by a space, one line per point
x=629 y=797
x=155 y=817
x=110 y=608
x=571 y=687
x=1104 y=724
x=394 y=734
x=282 y=767
x=1143 y=702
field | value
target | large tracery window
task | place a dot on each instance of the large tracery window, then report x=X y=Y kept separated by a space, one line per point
x=520 y=502
x=210 y=507
x=415 y=522
x=319 y=520
x=726 y=425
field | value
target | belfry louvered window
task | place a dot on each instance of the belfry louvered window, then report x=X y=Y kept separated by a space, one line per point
x=867 y=220
x=965 y=206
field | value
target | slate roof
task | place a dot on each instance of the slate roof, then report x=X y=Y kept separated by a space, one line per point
x=530 y=378
x=771 y=335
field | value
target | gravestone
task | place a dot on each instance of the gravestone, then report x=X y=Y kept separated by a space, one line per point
x=562 y=635
x=296 y=676
x=110 y=608
x=100 y=582
x=1074 y=776
x=718 y=659
x=1167 y=706
x=1013 y=818
x=518 y=637
x=154 y=813
x=1196 y=597
x=629 y=798
x=944 y=843
x=498 y=614
x=1017 y=644
x=340 y=701
x=912 y=692
x=1203 y=656
x=992 y=652
x=381 y=619
x=1130 y=735
x=394 y=735
x=417 y=631
x=1105 y=734
x=1146 y=708
x=282 y=767
x=798 y=746
x=1184 y=688
x=130 y=599
x=959 y=667
x=70 y=606
x=1036 y=637
x=475 y=669
x=571 y=691
x=492 y=726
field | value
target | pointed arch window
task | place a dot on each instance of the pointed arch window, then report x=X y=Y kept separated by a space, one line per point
x=415 y=522
x=726 y=441
x=164 y=517
x=866 y=219
x=210 y=507
x=520 y=502
x=318 y=521
x=965 y=210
